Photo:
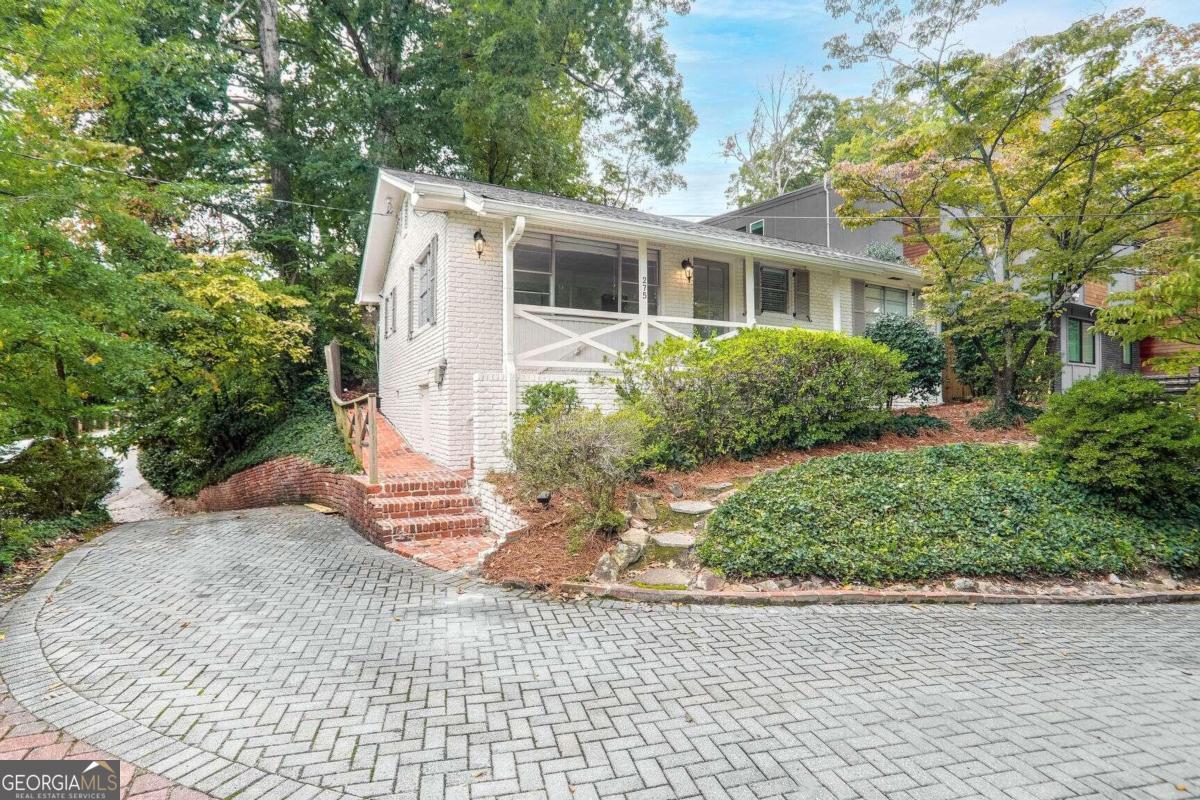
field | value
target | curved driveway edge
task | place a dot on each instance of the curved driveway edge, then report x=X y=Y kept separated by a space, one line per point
x=33 y=682
x=275 y=653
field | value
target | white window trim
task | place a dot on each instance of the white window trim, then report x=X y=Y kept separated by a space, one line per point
x=414 y=290
x=750 y=227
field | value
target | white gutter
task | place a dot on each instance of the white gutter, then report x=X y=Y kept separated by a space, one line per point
x=828 y=226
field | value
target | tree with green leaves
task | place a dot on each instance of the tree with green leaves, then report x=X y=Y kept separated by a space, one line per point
x=1166 y=302
x=1027 y=174
x=790 y=142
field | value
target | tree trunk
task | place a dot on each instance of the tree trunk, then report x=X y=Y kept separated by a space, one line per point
x=280 y=243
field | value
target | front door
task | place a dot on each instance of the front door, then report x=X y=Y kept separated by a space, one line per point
x=710 y=294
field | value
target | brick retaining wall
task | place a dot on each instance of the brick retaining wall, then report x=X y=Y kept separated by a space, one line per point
x=291 y=480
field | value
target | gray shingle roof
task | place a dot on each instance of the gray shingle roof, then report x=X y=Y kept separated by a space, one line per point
x=555 y=203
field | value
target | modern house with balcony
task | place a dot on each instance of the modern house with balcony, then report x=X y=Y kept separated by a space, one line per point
x=482 y=290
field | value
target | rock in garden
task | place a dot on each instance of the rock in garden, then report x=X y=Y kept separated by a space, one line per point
x=662 y=577
x=1170 y=583
x=638 y=536
x=642 y=504
x=723 y=496
x=681 y=539
x=708 y=581
x=714 y=488
x=675 y=488
x=964 y=584
x=637 y=522
x=606 y=569
x=1113 y=578
x=692 y=506
x=625 y=554
x=767 y=586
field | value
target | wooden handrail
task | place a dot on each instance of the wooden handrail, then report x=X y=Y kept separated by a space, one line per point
x=356 y=418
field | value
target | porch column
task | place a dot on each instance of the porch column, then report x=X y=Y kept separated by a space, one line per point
x=508 y=358
x=751 y=301
x=644 y=292
x=837 y=302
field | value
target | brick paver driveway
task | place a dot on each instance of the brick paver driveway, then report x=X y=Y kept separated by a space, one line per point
x=274 y=652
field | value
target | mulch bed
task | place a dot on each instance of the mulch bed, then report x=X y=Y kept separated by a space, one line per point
x=538 y=556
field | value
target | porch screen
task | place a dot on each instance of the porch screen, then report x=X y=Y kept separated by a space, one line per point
x=568 y=272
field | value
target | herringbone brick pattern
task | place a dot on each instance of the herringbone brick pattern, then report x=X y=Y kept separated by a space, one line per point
x=275 y=653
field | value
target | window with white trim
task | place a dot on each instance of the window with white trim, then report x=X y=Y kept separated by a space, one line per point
x=758 y=227
x=569 y=272
x=422 y=284
x=880 y=300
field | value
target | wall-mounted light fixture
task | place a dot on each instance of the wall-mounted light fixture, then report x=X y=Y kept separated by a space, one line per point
x=479 y=243
x=687 y=269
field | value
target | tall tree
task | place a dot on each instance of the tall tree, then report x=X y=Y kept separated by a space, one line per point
x=789 y=143
x=1027 y=174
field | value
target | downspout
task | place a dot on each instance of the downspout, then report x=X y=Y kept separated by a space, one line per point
x=828 y=225
x=507 y=355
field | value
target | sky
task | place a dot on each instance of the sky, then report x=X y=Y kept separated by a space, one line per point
x=727 y=51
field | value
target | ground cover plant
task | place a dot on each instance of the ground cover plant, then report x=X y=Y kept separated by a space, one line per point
x=936 y=512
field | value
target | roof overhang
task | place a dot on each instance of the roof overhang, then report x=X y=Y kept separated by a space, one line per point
x=431 y=195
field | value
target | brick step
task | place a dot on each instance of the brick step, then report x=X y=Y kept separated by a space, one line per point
x=432 y=527
x=419 y=484
x=389 y=507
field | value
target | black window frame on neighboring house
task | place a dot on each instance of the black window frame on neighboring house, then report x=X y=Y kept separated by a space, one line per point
x=1076 y=352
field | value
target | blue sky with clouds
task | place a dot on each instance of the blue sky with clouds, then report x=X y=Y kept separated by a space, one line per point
x=727 y=50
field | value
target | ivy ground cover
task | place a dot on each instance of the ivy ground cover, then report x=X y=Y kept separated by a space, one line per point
x=935 y=512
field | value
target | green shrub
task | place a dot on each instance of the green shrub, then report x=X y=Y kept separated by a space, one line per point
x=53 y=478
x=19 y=538
x=758 y=391
x=308 y=430
x=936 y=512
x=1124 y=436
x=923 y=351
x=554 y=397
x=911 y=425
x=584 y=454
x=1008 y=416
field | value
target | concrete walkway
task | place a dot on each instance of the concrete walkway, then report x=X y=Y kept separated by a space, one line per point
x=134 y=499
x=273 y=653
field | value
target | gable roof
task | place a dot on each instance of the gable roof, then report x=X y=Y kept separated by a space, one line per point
x=442 y=193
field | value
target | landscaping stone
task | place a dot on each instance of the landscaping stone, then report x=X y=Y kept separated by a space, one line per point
x=637 y=536
x=1113 y=578
x=682 y=539
x=663 y=577
x=723 y=496
x=768 y=586
x=1170 y=583
x=637 y=522
x=692 y=507
x=964 y=584
x=708 y=581
x=714 y=488
x=675 y=488
x=606 y=569
x=641 y=504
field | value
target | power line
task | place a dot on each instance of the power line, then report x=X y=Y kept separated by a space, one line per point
x=727 y=214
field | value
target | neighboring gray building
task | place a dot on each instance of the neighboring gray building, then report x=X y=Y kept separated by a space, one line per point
x=808 y=215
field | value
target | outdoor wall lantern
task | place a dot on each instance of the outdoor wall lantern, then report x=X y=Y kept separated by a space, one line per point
x=687 y=269
x=479 y=243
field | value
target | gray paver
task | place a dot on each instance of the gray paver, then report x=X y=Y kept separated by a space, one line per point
x=277 y=640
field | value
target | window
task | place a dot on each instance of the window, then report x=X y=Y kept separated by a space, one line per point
x=385 y=316
x=568 y=272
x=758 y=227
x=422 y=287
x=803 y=309
x=1081 y=342
x=882 y=300
x=1127 y=353
x=773 y=290
x=391 y=321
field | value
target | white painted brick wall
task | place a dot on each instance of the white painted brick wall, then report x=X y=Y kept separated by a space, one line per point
x=503 y=519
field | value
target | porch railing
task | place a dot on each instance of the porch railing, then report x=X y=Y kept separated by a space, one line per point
x=578 y=339
x=355 y=417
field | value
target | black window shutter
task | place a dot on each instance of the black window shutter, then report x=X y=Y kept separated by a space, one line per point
x=758 y=288
x=803 y=298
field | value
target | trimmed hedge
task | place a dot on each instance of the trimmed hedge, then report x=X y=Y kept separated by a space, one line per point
x=759 y=391
x=935 y=512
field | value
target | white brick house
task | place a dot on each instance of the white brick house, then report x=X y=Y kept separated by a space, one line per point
x=482 y=290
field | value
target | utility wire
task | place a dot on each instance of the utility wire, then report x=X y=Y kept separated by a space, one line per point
x=728 y=214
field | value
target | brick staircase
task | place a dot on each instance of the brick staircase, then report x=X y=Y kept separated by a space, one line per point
x=417 y=506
